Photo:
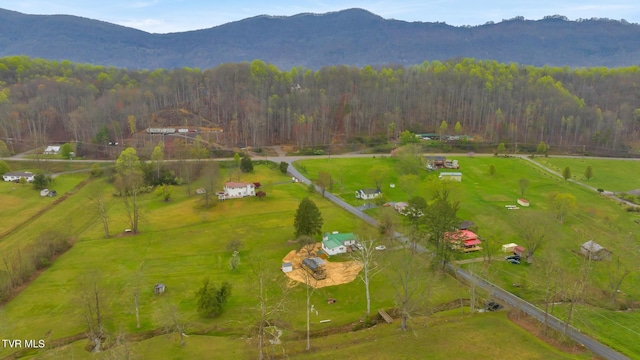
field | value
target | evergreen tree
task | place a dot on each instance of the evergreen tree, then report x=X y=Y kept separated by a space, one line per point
x=588 y=172
x=308 y=220
x=246 y=165
x=566 y=173
x=212 y=299
x=41 y=181
x=542 y=148
x=284 y=166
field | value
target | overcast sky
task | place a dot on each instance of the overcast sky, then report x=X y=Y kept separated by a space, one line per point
x=164 y=16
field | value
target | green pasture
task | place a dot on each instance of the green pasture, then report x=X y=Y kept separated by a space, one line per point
x=610 y=175
x=482 y=199
x=21 y=202
x=51 y=166
x=620 y=325
x=486 y=336
x=180 y=244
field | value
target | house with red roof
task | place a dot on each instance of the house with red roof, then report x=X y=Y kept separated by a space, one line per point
x=463 y=240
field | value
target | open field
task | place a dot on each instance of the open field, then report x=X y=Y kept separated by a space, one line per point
x=483 y=198
x=484 y=338
x=21 y=202
x=50 y=166
x=609 y=175
x=180 y=244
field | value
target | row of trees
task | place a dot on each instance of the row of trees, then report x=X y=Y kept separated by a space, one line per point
x=257 y=104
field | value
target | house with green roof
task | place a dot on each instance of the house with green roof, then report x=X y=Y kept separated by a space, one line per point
x=338 y=243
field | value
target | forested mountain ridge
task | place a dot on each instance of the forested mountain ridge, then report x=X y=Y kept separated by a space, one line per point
x=595 y=110
x=352 y=37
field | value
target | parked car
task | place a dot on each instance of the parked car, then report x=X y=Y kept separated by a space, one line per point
x=514 y=261
x=381 y=247
x=52 y=193
x=516 y=257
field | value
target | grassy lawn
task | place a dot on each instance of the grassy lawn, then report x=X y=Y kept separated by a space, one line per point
x=180 y=244
x=483 y=198
x=607 y=174
x=50 y=166
x=20 y=202
x=484 y=338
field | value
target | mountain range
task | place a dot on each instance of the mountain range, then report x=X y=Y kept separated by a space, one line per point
x=353 y=37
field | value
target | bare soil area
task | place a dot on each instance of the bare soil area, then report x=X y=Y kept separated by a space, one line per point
x=337 y=272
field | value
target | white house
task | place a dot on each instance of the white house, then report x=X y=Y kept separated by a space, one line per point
x=337 y=243
x=368 y=194
x=16 y=175
x=52 y=150
x=238 y=190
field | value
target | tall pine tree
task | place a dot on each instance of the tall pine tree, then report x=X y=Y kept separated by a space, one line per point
x=308 y=220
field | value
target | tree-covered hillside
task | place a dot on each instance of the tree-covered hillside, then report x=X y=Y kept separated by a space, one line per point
x=255 y=104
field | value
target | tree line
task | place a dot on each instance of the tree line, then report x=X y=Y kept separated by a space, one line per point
x=256 y=104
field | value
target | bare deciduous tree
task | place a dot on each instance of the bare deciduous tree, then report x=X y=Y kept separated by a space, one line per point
x=411 y=281
x=534 y=229
x=549 y=272
x=92 y=301
x=617 y=274
x=100 y=206
x=173 y=322
x=271 y=301
x=366 y=256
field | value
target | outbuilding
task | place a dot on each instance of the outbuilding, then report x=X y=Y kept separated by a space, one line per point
x=287 y=267
x=594 y=251
x=453 y=176
x=368 y=194
x=509 y=248
x=159 y=289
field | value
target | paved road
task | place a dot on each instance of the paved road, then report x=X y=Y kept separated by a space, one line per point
x=494 y=291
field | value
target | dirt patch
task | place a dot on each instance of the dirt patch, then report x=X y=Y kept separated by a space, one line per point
x=337 y=272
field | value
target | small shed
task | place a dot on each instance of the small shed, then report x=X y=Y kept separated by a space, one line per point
x=287 y=267
x=594 y=251
x=44 y=192
x=523 y=202
x=159 y=289
x=509 y=248
x=466 y=225
x=453 y=176
x=520 y=251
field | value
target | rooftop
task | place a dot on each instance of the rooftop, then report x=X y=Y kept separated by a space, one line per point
x=233 y=185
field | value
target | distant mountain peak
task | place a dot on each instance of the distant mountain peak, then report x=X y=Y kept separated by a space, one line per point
x=355 y=37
